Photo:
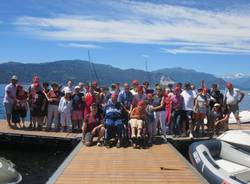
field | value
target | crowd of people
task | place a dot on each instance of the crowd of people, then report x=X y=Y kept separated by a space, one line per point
x=133 y=112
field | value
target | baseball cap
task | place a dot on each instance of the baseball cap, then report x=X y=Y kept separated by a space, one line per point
x=14 y=77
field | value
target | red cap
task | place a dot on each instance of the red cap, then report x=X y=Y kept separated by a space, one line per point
x=139 y=88
x=205 y=90
x=114 y=95
x=19 y=87
x=141 y=103
x=177 y=89
x=135 y=82
x=94 y=83
x=229 y=85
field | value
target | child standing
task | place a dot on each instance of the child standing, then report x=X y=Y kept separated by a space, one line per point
x=65 y=108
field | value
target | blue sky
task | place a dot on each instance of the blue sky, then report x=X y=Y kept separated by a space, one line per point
x=208 y=36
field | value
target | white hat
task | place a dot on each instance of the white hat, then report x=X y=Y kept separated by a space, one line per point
x=77 y=87
x=14 y=77
x=216 y=105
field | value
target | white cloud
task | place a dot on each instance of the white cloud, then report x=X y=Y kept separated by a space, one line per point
x=79 y=45
x=190 y=30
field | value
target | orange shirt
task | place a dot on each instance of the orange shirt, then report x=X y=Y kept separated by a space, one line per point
x=138 y=113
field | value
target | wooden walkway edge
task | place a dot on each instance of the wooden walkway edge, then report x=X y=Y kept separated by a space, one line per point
x=5 y=130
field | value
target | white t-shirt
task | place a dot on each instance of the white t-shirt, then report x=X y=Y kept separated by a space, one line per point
x=188 y=97
x=12 y=90
x=233 y=96
x=67 y=88
x=195 y=93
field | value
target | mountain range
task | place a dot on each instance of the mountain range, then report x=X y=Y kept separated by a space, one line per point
x=79 y=70
x=240 y=80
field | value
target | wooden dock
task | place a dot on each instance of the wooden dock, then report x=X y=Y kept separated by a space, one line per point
x=7 y=132
x=244 y=126
x=158 y=164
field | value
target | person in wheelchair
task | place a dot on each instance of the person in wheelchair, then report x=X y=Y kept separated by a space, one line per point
x=137 y=119
x=113 y=121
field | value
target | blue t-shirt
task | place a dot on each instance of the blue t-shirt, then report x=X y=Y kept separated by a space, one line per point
x=125 y=98
x=112 y=111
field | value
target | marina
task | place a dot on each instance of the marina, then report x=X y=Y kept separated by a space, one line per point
x=124 y=165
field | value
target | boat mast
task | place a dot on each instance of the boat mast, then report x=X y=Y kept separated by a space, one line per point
x=93 y=68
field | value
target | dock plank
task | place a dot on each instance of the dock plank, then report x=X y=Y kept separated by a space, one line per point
x=127 y=165
x=5 y=129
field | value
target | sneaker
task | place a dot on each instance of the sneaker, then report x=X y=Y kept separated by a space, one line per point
x=164 y=139
x=134 y=145
x=99 y=143
x=107 y=144
x=118 y=144
x=191 y=135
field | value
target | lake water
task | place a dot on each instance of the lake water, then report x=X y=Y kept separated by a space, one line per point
x=245 y=105
x=36 y=163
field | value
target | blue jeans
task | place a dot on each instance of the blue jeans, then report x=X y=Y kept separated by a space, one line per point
x=177 y=121
x=114 y=127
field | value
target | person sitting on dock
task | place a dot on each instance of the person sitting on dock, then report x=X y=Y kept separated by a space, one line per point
x=137 y=121
x=113 y=121
x=65 y=108
x=219 y=119
x=93 y=127
x=233 y=97
x=10 y=98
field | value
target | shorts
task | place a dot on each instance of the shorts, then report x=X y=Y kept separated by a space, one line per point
x=77 y=115
x=199 y=116
x=234 y=109
x=136 y=123
x=8 y=108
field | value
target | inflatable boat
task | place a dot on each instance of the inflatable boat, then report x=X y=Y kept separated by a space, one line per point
x=238 y=138
x=8 y=174
x=223 y=160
